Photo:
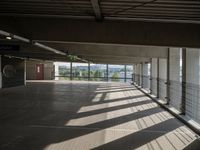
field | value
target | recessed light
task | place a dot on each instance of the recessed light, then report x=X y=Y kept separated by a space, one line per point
x=8 y=38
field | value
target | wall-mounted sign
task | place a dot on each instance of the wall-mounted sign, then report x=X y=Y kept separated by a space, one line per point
x=9 y=71
x=8 y=47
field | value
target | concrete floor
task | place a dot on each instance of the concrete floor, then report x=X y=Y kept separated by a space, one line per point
x=86 y=115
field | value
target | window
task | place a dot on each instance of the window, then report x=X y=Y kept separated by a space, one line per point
x=63 y=71
x=98 y=72
x=116 y=72
x=80 y=71
x=129 y=73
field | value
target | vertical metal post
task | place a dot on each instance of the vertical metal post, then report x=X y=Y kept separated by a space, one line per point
x=124 y=73
x=183 y=81
x=107 y=72
x=71 y=71
x=89 y=71
x=158 y=76
x=168 y=77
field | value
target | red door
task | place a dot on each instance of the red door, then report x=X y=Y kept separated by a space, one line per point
x=39 y=71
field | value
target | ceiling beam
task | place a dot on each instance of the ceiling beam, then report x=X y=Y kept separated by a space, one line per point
x=95 y=49
x=115 y=32
x=97 y=10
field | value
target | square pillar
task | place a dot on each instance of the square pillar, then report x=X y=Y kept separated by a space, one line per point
x=141 y=74
x=24 y=71
x=168 y=77
x=107 y=72
x=0 y=73
x=183 y=102
x=88 y=71
x=71 y=71
x=158 y=76
x=151 y=86
x=124 y=73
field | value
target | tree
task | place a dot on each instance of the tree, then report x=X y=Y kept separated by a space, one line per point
x=115 y=77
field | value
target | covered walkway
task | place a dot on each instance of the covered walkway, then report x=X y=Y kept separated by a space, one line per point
x=74 y=115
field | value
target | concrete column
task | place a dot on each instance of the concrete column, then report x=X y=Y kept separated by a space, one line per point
x=71 y=71
x=56 y=71
x=107 y=72
x=134 y=73
x=145 y=72
x=88 y=71
x=133 y=76
x=175 y=77
x=154 y=68
x=138 y=68
x=168 y=77
x=151 y=86
x=183 y=81
x=158 y=76
x=124 y=73
x=141 y=75
x=0 y=74
x=162 y=78
x=192 y=92
x=24 y=71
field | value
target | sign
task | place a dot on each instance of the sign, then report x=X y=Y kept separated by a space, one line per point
x=7 y=47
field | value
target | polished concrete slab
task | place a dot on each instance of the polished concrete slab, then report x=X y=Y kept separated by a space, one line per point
x=53 y=115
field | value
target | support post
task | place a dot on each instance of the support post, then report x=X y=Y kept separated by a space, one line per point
x=124 y=73
x=168 y=77
x=107 y=72
x=151 y=86
x=0 y=73
x=133 y=74
x=158 y=75
x=24 y=71
x=71 y=71
x=141 y=74
x=183 y=102
x=88 y=71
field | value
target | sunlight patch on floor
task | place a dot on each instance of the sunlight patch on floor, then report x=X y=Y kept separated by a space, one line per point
x=110 y=134
x=109 y=115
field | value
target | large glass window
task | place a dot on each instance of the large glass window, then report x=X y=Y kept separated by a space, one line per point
x=129 y=73
x=62 y=71
x=80 y=71
x=116 y=72
x=94 y=72
x=98 y=72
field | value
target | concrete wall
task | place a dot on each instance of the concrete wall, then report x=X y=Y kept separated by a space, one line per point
x=0 y=74
x=193 y=84
x=162 y=78
x=154 y=69
x=31 y=70
x=175 y=77
x=12 y=71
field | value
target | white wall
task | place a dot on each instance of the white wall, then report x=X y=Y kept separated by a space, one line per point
x=31 y=69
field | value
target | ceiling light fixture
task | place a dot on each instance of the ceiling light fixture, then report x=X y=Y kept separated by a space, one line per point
x=8 y=38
